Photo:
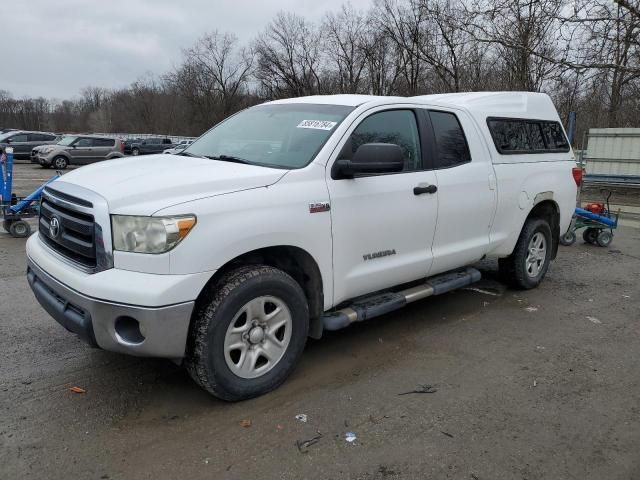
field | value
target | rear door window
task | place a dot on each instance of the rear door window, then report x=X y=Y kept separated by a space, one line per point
x=451 y=144
x=103 y=142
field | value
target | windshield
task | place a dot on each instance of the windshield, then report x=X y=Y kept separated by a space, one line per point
x=282 y=136
x=4 y=136
x=67 y=141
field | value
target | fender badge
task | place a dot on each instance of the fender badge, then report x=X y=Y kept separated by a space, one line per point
x=317 y=207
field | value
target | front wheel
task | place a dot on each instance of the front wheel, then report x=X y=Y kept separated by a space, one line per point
x=528 y=264
x=135 y=151
x=248 y=335
x=19 y=229
x=568 y=238
x=60 y=163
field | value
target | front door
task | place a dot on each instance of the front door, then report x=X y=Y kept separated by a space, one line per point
x=382 y=229
x=81 y=150
x=21 y=145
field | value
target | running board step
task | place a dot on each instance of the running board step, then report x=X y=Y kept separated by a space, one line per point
x=377 y=305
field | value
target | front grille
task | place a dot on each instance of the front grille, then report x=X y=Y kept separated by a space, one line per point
x=75 y=238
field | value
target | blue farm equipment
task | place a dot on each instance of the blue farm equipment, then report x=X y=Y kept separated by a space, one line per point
x=15 y=210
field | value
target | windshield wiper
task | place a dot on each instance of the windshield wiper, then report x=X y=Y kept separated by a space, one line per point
x=189 y=154
x=228 y=158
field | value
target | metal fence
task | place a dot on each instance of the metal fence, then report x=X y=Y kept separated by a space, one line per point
x=612 y=156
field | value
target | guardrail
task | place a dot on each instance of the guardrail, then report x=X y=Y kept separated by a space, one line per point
x=631 y=181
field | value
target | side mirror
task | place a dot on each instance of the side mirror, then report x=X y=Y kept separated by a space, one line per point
x=370 y=158
x=8 y=141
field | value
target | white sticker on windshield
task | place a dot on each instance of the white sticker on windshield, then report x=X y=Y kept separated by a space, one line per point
x=317 y=124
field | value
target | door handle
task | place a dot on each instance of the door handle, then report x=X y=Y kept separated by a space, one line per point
x=420 y=189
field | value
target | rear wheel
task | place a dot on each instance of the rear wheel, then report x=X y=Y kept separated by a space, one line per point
x=528 y=264
x=60 y=162
x=590 y=235
x=249 y=333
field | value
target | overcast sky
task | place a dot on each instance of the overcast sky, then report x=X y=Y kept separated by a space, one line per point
x=54 y=48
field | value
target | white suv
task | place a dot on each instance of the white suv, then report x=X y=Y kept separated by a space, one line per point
x=297 y=216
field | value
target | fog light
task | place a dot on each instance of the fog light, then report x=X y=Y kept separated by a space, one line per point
x=128 y=330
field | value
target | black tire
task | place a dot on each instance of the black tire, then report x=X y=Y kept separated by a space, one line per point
x=205 y=359
x=135 y=151
x=60 y=162
x=6 y=224
x=604 y=238
x=568 y=238
x=514 y=268
x=589 y=235
x=20 y=229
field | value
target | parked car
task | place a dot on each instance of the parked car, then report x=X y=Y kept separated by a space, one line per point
x=180 y=146
x=5 y=130
x=151 y=145
x=128 y=143
x=24 y=141
x=299 y=216
x=36 y=150
x=79 y=150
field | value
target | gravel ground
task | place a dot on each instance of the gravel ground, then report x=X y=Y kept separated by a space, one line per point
x=529 y=385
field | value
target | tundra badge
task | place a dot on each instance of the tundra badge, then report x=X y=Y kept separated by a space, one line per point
x=317 y=207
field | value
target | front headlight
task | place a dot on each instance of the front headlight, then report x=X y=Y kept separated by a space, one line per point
x=149 y=234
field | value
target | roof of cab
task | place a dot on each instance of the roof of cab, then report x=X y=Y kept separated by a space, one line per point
x=350 y=100
x=479 y=104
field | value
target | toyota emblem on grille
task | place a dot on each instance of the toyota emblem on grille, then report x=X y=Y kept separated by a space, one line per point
x=54 y=227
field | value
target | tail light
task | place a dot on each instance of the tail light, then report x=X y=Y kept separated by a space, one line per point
x=577 y=173
x=121 y=146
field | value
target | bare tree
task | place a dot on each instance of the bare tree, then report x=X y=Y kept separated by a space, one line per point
x=345 y=35
x=289 y=57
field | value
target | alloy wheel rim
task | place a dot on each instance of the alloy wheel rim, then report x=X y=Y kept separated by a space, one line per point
x=537 y=254
x=258 y=337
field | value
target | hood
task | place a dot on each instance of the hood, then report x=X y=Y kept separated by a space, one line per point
x=144 y=185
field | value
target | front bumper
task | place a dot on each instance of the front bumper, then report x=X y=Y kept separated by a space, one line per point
x=131 y=329
x=42 y=160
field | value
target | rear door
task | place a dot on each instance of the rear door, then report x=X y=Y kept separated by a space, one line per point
x=382 y=226
x=466 y=190
x=101 y=147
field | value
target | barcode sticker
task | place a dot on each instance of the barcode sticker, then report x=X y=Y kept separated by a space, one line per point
x=317 y=124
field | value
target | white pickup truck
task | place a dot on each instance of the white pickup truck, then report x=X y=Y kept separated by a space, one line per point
x=298 y=216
